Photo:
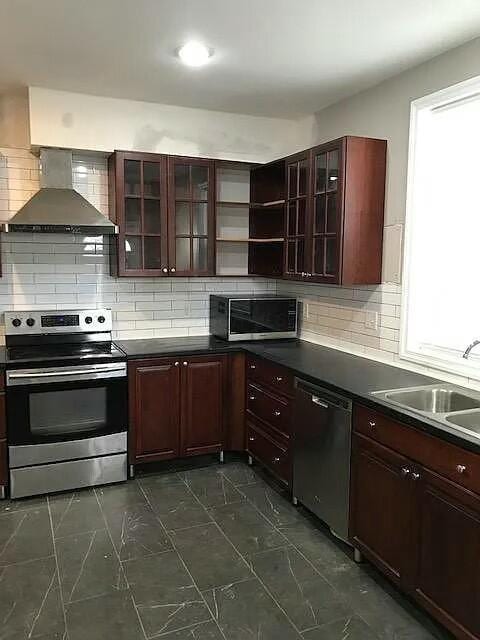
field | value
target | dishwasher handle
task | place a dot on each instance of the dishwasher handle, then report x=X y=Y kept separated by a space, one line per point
x=323 y=397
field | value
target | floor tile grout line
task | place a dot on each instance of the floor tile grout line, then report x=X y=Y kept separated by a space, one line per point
x=60 y=586
x=332 y=586
x=256 y=575
x=120 y=565
x=184 y=564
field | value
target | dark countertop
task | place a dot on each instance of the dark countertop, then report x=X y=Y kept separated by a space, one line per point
x=336 y=370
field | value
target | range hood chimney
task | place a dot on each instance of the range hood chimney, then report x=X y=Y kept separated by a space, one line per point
x=57 y=207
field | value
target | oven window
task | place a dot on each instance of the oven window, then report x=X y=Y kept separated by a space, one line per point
x=68 y=411
x=262 y=316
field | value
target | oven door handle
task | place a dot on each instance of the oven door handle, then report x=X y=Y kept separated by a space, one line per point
x=21 y=377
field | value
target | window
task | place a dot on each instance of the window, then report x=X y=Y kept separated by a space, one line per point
x=441 y=306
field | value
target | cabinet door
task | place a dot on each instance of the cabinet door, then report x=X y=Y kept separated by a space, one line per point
x=383 y=508
x=297 y=220
x=191 y=216
x=203 y=389
x=139 y=182
x=327 y=211
x=448 y=572
x=154 y=388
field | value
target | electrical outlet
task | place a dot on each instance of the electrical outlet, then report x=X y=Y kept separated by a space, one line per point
x=371 y=320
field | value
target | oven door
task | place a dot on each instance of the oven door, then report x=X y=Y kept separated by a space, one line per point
x=61 y=405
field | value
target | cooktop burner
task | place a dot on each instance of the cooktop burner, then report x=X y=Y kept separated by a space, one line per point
x=44 y=353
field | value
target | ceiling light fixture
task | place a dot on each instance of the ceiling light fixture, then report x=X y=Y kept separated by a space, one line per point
x=194 y=54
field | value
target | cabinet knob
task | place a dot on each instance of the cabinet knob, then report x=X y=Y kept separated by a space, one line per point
x=184 y=363
x=276 y=460
x=252 y=366
x=405 y=472
x=177 y=364
x=461 y=468
x=278 y=378
x=251 y=439
x=415 y=476
x=165 y=270
x=372 y=424
x=172 y=270
x=276 y=413
x=251 y=397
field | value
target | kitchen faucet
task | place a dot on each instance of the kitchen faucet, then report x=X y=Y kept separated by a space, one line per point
x=469 y=348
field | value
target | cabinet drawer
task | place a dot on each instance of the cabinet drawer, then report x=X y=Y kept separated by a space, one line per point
x=449 y=460
x=277 y=378
x=274 y=410
x=270 y=453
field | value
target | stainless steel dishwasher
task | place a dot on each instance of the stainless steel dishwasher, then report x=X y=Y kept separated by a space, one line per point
x=321 y=460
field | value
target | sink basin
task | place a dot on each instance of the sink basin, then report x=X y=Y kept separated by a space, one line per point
x=468 y=421
x=434 y=400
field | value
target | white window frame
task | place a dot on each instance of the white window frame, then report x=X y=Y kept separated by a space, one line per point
x=430 y=357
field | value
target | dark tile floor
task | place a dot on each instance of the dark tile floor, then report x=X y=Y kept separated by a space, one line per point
x=214 y=553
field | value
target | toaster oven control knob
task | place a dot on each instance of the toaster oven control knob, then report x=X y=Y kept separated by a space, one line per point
x=101 y=319
x=88 y=319
x=16 y=322
x=30 y=322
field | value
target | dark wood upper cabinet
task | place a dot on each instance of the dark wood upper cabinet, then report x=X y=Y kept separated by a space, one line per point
x=191 y=192
x=298 y=189
x=138 y=205
x=203 y=389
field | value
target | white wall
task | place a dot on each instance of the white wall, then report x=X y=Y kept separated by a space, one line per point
x=340 y=316
x=78 y=121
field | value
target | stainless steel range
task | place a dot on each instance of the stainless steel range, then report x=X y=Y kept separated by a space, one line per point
x=66 y=392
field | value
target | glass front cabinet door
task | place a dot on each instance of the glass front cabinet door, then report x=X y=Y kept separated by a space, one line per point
x=326 y=203
x=138 y=205
x=191 y=216
x=297 y=216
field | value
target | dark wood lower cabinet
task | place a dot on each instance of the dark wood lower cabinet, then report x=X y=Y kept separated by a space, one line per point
x=447 y=581
x=154 y=390
x=380 y=479
x=176 y=407
x=3 y=464
x=419 y=527
x=203 y=389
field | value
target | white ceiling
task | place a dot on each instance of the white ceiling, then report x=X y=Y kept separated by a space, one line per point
x=273 y=57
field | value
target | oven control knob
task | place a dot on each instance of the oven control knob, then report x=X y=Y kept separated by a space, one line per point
x=88 y=319
x=16 y=322
x=101 y=319
x=30 y=322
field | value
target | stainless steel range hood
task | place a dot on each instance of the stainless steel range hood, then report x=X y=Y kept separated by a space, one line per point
x=57 y=207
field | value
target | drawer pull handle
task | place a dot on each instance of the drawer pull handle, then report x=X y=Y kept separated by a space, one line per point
x=320 y=403
x=415 y=476
x=251 y=439
x=405 y=472
x=251 y=398
x=252 y=366
x=372 y=424
x=276 y=460
x=461 y=468
x=278 y=378
x=276 y=413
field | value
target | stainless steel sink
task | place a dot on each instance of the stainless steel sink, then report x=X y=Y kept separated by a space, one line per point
x=468 y=421
x=447 y=404
x=434 y=400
